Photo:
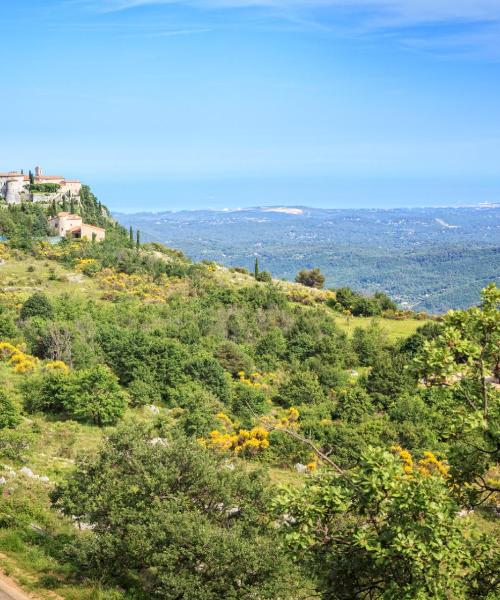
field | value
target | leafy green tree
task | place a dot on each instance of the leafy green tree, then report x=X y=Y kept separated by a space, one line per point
x=233 y=358
x=37 y=305
x=8 y=328
x=247 y=402
x=143 y=390
x=389 y=529
x=389 y=377
x=270 y=348
x=465 y=357
x=302 y=387
x=353 y=404
x=47 y=392
x=207 y=370
x=313 y=278
x=9 y=414
x=170 y=521
x=96 y=397
x=264 y=276
x=369 y=343
x=199 y=408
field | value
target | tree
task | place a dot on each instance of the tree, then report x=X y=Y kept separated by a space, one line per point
x=172 y=522
x=138 y=239
x=353 y=403
x=465 y=357
x=389 y=529
x=37 y=305
x=31 y=177
x=313 y=278
x=9 y=414
x=302 y=387
x=256 y=268
x=247 y=401
x=96 y=397
x=264 y=276
x=207 y=370
x=233 y=358
x=47 y=392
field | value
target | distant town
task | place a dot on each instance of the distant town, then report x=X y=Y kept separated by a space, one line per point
x=17 y=187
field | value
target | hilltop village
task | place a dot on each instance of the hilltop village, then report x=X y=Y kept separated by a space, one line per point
x=54 y=191
x=16 y=187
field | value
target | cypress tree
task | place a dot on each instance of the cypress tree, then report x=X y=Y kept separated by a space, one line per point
x=256 y=268
x=138 y=238
x=131 y=236
x=72 y=206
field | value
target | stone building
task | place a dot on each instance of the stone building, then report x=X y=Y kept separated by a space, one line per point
x=15 y=187
x=65 y=224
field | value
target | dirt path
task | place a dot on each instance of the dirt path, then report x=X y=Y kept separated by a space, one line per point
x=11 y=591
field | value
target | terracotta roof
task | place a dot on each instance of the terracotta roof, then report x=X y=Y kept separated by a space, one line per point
x=12 y=174
x=76 y=228
x=66 y=214
x=58 y=177
x=93 y=227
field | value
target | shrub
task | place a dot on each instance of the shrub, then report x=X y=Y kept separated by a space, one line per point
x=233 y=358
x=97 y=397
x=247 y=401
x=206 y=369
x=37 y=305
x=9 y=415
x=313 y=278
x=302 y=388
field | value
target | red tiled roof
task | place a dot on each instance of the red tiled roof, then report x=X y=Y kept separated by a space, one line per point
x=93 y=227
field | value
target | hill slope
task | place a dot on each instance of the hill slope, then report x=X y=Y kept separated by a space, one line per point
x=146 y=405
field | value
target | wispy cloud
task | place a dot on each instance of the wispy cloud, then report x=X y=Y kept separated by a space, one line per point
x=388 y=12
x=425 y=25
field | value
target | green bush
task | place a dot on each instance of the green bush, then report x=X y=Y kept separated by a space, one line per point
x=302 y=387
x=9 y=414
x=37 y=305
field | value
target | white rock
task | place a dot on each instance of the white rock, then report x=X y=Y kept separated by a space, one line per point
x=300 y=468
x=3 y=481
x=158 y=441
x=28 y=472
x=152 y=408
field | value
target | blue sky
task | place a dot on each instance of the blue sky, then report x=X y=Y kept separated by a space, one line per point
x=211 y=103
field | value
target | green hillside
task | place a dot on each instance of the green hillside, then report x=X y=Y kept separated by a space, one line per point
x=180 y=430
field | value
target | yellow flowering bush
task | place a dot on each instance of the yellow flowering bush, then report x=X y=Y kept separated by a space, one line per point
x=254 y=379
x=56 y=365
x=4 y=251
x=21 y=362
x=243 y=442
x=139 y=286
x=17 y=359
x=428 y=465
